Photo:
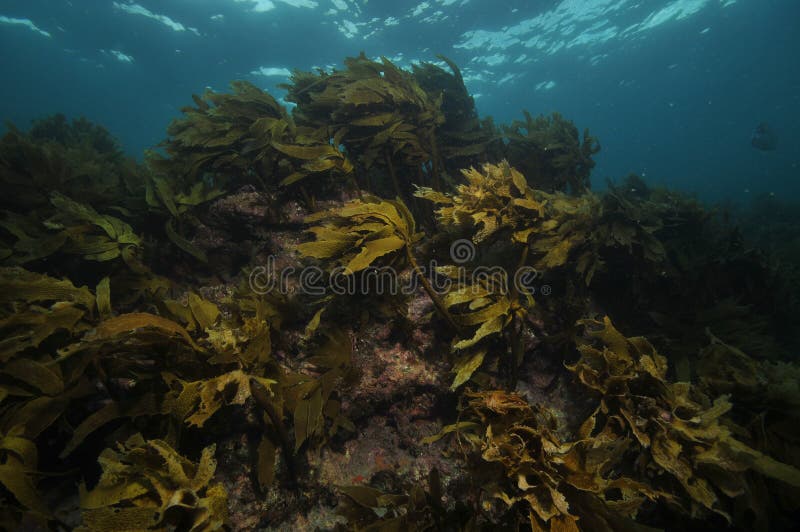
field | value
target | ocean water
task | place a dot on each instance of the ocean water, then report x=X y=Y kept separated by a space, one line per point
x=673 y=89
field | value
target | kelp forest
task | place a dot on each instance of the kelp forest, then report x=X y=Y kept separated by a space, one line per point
x=565 y=359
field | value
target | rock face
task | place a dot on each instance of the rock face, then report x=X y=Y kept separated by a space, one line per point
x=237 y=231
x=243 y=228
x=398 y=394
x=397 y=398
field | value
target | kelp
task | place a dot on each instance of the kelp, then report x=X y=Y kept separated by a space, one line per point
x=356 y=235
x=419 y=126
x=123 y=355
x=240 y=372
x=124 y=333
x=79 y=132
x=497 y=209
x=760 y=385
x=689 y=269
x=364 y=233
x=37 y=312
x=73 y=229
x=97 y=350
x=175 y=208
x=197 y=313
x=195 y=402
x=73 y=197
x=243 y=137
x=18 y=284
x=116 y=240
x=314 y=400
x=486 y=308
x=543 y=480
x=496 y=198
x=648 y=441
x=458 y=106
x=78 y=159
x=549 y=151
x=464 y=138
x=127 y=347
x=766 y=399
x=156 y=359
x=679 y=433
x=377 y=112
x=306 y=401
x=147 y=485
x=316 y=158
x=370 y=509
x=560 y=232
x=18 y=466
x=53 y=186
x=34 y=308
x=497 y=203
x=224 y=136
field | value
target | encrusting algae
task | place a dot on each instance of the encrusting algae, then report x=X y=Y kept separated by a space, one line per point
x=148 y=383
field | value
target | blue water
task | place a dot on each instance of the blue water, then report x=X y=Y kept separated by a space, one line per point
x=673 y=89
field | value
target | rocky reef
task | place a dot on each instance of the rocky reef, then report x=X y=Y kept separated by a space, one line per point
x=380 y=311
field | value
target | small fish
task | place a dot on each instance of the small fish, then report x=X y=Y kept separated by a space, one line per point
x=764 y=138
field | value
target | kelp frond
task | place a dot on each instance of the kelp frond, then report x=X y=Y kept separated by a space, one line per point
x=147 y=485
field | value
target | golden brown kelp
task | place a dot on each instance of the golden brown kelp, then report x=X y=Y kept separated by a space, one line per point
x=225 y=137
x=463 y=139
x=71 y=367
x=378 y=113
x=494 y=199
x=78 y=159
x=531 y=475
x=242 y=371
x=551 y=153
x=766 y=401
x=243 y=137
x=493 y=206
x=223 y=142
x=496 y=204
x=361 y=233
x=76 y=199
x=315 y=399
x=37 y=312
x=523 y=231
x=70 y=228
x=108 y=369
x=147 y=485
x=417 y=510
x=51 y=178
x=680 y=435
x=458 y=105
x=148 y=367
x=648 y=441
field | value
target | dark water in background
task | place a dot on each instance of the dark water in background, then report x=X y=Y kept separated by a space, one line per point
x=673 y=89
